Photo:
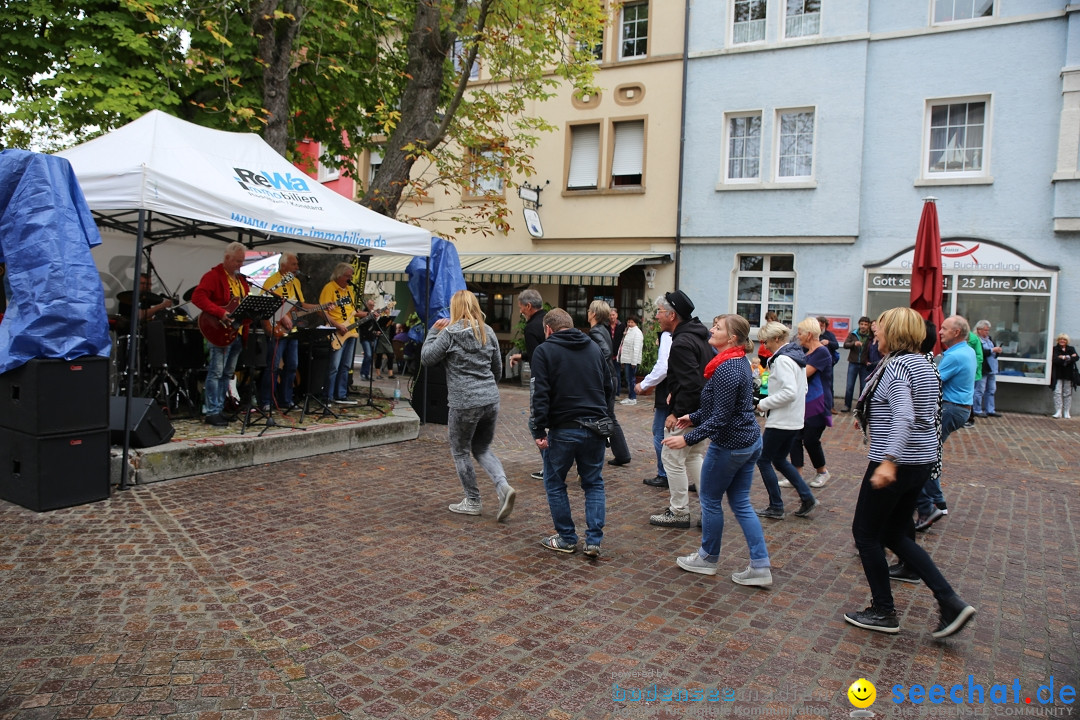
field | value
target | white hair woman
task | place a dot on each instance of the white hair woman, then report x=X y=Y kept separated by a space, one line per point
x=785 y=405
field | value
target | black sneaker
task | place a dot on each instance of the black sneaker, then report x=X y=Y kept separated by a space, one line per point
x=691 y=488
x=217 y=420
x=771 y=513
x=656 y=481
x=537 y=475
x=873 y=619
x=805 y=507
x=900 y=572
x=955 y=614
x=924 y=523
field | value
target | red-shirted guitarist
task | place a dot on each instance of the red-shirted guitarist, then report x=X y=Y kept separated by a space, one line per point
x=216 y=295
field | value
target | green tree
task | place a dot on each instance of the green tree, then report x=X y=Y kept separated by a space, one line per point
x=341 y=73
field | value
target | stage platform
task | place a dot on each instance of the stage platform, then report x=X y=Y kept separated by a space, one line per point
x=198 y=449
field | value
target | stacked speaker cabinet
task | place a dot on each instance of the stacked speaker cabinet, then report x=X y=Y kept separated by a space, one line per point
x=54 y=433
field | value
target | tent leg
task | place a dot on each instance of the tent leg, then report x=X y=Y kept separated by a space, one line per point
x=132 y=350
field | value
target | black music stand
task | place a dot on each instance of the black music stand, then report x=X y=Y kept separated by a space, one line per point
x=314 y=336
x=256 y=308
x=163 y=386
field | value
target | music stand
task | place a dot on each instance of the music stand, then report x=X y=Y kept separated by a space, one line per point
x=256 y=308
x=312 y=336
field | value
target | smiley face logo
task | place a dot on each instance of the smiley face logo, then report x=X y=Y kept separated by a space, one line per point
x=862 y=693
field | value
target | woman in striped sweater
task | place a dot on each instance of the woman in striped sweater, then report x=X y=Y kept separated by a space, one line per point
x=899 y=412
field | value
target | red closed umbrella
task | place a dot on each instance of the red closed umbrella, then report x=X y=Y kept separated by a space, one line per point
x=926 y=274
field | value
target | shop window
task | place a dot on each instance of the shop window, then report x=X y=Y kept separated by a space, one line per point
x=765 y=283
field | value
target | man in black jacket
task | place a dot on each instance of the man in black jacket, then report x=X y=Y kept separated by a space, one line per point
x=690 y=353
x=571 y=385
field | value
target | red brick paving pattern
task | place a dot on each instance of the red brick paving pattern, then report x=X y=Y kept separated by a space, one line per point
x=339 y=586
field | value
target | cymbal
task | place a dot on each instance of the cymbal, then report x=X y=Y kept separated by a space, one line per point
x=124 y=297
x=188 y=293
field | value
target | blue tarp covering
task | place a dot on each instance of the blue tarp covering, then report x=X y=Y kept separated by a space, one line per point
x=56 y=304
x=446 y=279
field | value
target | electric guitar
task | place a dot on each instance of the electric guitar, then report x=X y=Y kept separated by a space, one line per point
x=214 y=329
x=338 y=338
x=279 y=330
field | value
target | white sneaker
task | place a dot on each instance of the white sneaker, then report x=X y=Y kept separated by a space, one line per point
x=784 y=482
x=761 y=577
x=1067 y=416
x=1056 y=415
x=628 y=401
x=466 y=507
x=696 y=564
x=819 y=480
x=506 y=503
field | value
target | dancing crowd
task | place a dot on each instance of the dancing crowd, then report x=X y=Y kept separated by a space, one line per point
x=707 y=434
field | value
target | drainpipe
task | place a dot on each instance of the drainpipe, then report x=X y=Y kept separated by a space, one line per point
x=682 y=143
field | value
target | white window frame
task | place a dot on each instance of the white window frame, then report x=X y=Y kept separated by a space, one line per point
x=804 y=15
x=484 y=184
x=953 y=3
x=459 y=58
x=324 y=173
x=631 y=155
x=589 y=165
x=375 y=159
x=725 y=173
x=637 y=38
x=765 y=275
x=924 y=163
x=732 y=24
x=777 y=121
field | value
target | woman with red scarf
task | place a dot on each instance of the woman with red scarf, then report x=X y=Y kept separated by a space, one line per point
x=726 y=417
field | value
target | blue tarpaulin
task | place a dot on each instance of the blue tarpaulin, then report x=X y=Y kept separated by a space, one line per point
x=56 y=304
x=445 y=280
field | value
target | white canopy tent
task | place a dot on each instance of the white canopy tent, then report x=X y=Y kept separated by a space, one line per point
x=191 y=189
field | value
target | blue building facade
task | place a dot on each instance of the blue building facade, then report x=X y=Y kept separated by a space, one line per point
x=815 y=129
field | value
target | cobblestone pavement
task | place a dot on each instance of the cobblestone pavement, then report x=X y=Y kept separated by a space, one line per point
x=340 y=586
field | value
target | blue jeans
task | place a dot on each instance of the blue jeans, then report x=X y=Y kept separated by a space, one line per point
x=219 y=371
x=952 y=417
x=730 y=472
x=985 y=387
x=855 y=371
x=287 y=348
x=368 y=346
x=883 y=520
x=337 y=386
x=630 y=377
x=775 y=445
x=565 y=447
x=659 y=416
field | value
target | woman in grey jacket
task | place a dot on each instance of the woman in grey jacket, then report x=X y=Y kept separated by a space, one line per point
x=471 y=354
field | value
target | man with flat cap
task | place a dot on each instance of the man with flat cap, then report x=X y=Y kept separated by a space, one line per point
x=689 y=354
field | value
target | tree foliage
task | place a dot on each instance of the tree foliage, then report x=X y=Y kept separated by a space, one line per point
x=391 y=74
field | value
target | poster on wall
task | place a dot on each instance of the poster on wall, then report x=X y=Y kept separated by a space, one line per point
x=840 y=325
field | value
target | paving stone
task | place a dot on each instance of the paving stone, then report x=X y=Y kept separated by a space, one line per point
x=340 y=586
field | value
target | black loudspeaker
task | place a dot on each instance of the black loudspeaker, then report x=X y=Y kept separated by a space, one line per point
x=148 y=425
x=47 y=397
x=313 y=365
x=56 y=471
x=432 y=403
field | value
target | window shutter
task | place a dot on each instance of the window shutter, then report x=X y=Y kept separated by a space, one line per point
x=629 y=148
x=584 y=156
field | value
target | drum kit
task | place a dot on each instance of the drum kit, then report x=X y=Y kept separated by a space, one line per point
x=170 y=360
